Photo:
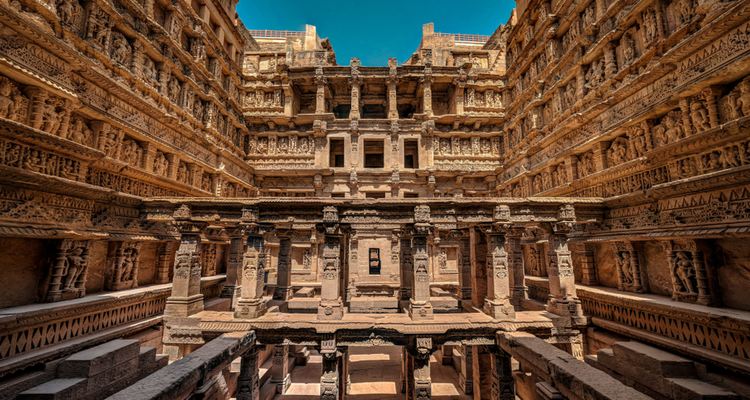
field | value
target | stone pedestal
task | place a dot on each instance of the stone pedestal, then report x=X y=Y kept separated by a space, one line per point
x=333 y=379
x=420 y=308
x=231 y=289
x=466 y=377
x=562 y=299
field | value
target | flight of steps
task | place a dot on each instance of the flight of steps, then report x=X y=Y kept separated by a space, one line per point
x=92 y=374
x=656 y=373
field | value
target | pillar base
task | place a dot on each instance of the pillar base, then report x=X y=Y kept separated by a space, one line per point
x=231 y=292
x=283 y=385
x=499 y=309
x=184 y=306
x=465 y=294
x=284 y=293
x=565 y=308
x=331 y=310
x=250 y=308
x=420 y=312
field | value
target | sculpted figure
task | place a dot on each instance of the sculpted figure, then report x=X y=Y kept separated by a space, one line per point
x=182 y=173
x=537 y=184
x=442 y=259
x=160 y=164
x=109 y=146
x=684 y=10
x=7 y=105
x=75 y=265
x=121 y=50
x=639 y=142
x=699 y=116
x=711 y=161
x=33 y=162
x=628 y=50
x=743 y=101
x=682 y=267
x=625 y=267
x=589 y=16
x=595 y=75
x=149 y=70
x=79 y=132
x=673 y=131
x=649 y=24
x=174 y=89
x=206 y=183
x=51 y=118
x=13 y=155
x=67 y=11
x=570 y=94
x=730 y=157
x=67 y=170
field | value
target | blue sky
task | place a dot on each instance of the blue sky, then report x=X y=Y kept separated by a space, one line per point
x=375 y=30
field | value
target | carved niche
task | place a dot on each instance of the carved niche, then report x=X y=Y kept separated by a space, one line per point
x=123 y=265
x=691 y=281
x=68 y=271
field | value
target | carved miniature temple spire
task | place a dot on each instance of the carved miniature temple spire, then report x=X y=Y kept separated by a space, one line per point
x=281 y=374
x=283 y=289
x=320 y=95
x=251 y=265
x=418 y=379
x=356 y=82
x=503 y=382
x=419 y=303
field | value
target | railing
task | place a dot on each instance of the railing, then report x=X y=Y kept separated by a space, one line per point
x=538 y=288
x=276 y=34
x=81 y=322
x=460 y=37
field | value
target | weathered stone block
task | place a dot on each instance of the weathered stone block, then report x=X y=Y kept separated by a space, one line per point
x=653 y=360
x=56 y=389
x=93 y=361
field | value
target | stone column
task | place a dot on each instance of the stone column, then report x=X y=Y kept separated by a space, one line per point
x=687 y=124
x=237 y=241
x=503 y=384
x=518 y=289
x=482 y=369
x=331 y=306
x=392 y=81
x=174 y=163
x=251 y=303
x=420 y=308
x=610 y=60
x=563 y=299
x=333 y=377
x=355 y=81
x=419 y=381
x=497 y=304
x=427 y=95
x=464 y=273
x=466 y=377
x=186 y=298
x=280 y=374
x=284 y=275
x=446 y=353
x=320 y=96
x=163 y=265
x=407 y=270
x=588 y=267
x=248 y=382
x=460 y=86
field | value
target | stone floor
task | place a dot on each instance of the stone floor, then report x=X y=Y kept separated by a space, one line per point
x=375 y=375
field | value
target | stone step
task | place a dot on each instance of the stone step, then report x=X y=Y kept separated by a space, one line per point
x=692 y=389
x=56 y=389
x=97 y=359
x=654 y=360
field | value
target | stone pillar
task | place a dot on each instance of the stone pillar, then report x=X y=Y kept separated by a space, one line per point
x=518 y=289
x=464 y=266
x=163 y=265
x=503 y=384
x=251 y=303
x=420 y=308
x=600 y=156
x=460 y=86
x=149 y=152
x=174 y=163
x=711 y=94
x=186 y=298
x=320 y=96
x=580 y=83
x=237 y=241
x=407 y=270
x=482 y=372
x=248 y=382
x=687 y=124
x=427 y=95
x=588 y=267
x=419 y=381
x=356 y=82
x=466 y=377
x=333 y=376
x=497 y=304
x=446 y=353
x=610 y=60
x=563 y=299
x=284 y=275
x=331 y=306
x=392 y=81
x=280 y=373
